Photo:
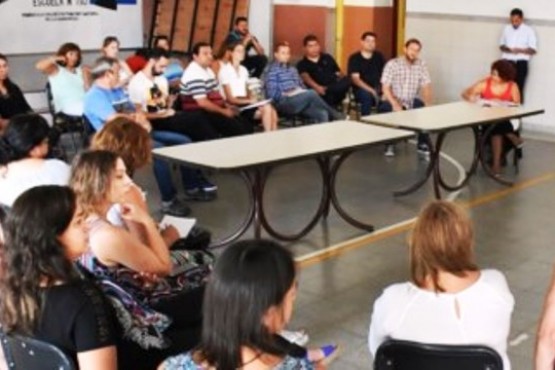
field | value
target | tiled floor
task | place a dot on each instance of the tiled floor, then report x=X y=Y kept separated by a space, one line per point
x=514 y=231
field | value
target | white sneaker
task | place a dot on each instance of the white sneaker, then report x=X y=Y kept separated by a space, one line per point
x=299 y=337
x=389 y=151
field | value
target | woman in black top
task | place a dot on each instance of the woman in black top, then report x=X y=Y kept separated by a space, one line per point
x=42 y=294
x=12 y=101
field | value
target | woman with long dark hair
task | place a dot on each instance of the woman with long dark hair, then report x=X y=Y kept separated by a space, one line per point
x=249 y=299
x=42 y=294
x=23 y=163
x=12 y=100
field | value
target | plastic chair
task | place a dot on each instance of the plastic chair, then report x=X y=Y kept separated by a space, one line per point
x=31 y=354
x=405 y=355
x=65 y=124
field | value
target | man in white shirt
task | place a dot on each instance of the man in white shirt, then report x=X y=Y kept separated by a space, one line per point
x=518 y=43
x=149 y=92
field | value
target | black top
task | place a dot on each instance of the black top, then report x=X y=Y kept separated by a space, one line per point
x=370 y=70
x=13 y=102
x=323 y=72
x=76 y=318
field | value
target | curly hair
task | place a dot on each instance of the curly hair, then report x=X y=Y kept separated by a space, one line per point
x=33 y=257
x=69 y=47
x=505 y=69
x=125 y=138
x=91 y=178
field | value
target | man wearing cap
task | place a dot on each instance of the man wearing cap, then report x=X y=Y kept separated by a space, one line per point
x=104 y=102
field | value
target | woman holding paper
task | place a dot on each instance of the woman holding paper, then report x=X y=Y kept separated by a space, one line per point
x=498 y=89
x=234 y=79
x=133 y=255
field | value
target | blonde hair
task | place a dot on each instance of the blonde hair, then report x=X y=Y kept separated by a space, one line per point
x=442 y=240
x=127 y=139
x=91 y=178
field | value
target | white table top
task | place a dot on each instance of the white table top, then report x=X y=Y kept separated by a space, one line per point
x=280 y=146
x=449 y=116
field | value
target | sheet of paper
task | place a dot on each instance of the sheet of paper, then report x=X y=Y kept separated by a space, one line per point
x=496 y=103
x=182 y=224
x=255 y=105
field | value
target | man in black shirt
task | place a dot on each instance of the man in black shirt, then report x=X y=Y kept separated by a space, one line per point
x=254 y=63
x=320 y=72
x=365 y=69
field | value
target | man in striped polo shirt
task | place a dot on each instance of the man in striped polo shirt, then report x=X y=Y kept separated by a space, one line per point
x=290 y=97
x=200 y=90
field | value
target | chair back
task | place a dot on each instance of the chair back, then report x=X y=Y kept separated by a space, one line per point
x=405 y=355
x=31 y=354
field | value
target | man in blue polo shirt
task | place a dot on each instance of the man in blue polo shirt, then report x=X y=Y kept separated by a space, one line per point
x=104 y=102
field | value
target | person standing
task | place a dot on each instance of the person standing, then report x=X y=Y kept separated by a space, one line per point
x=518 y=43
x=406 y=84
x=365 y=69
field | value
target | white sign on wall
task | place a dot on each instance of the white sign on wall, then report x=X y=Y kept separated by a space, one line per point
x=41 y=26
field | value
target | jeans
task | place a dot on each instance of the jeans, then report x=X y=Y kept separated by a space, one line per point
x=308 y=104
x=366 y=100
x=161 y=168
x=255 y=64
x=386 y=107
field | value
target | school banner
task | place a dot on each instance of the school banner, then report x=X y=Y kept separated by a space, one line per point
x=41 y=26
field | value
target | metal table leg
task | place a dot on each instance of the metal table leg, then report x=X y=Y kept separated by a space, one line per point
x=322 y=208
x=471 y=171
x=434 y=154
x=250 y=182
x=336 y=165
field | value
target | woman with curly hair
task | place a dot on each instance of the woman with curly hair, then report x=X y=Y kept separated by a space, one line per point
x=43 y=296
x=498 y=88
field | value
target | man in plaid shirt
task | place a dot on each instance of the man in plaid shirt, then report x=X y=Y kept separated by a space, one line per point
x=404 y=79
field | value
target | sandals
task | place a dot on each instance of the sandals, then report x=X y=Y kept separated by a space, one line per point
x=330 y=352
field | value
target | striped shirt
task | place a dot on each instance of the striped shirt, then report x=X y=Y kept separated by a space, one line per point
x=198 y=82
x=280 y=80
x=405 y=79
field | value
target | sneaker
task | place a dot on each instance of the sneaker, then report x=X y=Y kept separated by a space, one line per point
x=176 y=208
x=199 y=195
x=389 y=150
x=423 y=148
x=206 y=185
x=299 y=337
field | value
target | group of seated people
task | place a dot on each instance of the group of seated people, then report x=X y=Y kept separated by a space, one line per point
x=210 y=98
x=84 y=265
x=94 y=277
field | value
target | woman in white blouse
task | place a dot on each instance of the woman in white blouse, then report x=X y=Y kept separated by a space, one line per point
x=449 y=300
x=110 y=49
x=234 y=79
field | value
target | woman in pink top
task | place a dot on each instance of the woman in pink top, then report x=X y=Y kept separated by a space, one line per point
x=498 y=88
